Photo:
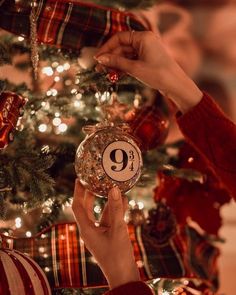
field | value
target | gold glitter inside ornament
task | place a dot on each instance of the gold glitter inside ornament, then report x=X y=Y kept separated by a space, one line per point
x=109 y=156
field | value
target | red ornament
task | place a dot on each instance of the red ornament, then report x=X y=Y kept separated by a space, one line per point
x=11 y=108
x=150 y=126
x=20 y=274
x=113 y=77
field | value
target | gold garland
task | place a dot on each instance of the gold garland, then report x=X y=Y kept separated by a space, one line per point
x=34 y=39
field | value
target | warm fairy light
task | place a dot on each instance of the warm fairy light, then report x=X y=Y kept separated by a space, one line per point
x=105 y=96
x=77 y=80
x=60 y=69
x=73 y=91
x=28 y=234
x=62 y=237
x=54 y=92
x=43 y=103
x=97 y=209
x=98 y=95
x=62 y=127
x=55 y=64
x=42 y=128
x=66 y=66
x=77 y=104
x=45 y=255
x=71 y=227
x=43 y=236
x=21 y=38
x=165 y=293
x=78 y=96
x=139 y=263
x=47 y=269
x=41 y=249
x=47 y=71
x=132 y=203
x=68 y=82
x=56 y=121
x=49 y=93
x=18 y=222
x=140 y=205
x=57 y=79
x=57 y=114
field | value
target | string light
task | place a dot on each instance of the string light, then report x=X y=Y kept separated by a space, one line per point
x=55 y=64
x=57 y=114
x=57 y=79
x=42 y=128
x=21 y=38
x=60 y=69
x=77 y=104
x=66 y=66
x=18 y=222
x=28 y=234
x=140 y=205
x=132 y=203
x=56 y=121
x=47 y=71
x=62 y=127
x=97 y=209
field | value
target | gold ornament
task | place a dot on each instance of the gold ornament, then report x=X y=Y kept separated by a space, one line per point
x=109 y=156
x=34 y=38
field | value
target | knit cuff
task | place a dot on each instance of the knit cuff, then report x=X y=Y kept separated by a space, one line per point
x=205 y=108
x=137 y=288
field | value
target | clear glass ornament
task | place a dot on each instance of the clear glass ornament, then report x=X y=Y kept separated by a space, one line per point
x=109 y=156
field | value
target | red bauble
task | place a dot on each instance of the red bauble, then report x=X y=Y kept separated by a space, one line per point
x=150 y=126
x=11 y=108
x=21 y=275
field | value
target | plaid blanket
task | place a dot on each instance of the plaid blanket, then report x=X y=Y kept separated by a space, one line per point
x=61 y=253
x=67 y=24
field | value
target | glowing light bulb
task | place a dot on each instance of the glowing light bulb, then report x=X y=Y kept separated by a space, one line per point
x=28 y=234
x=62 y=127
x=57 y=79
x=42 y=128
x=132 y=203
x=140 y=205
x=56 y=121
x=60 y=69
x=47 y=71
x=77 y=104
x=97 y=209
x=66 y=66
x=21 y=38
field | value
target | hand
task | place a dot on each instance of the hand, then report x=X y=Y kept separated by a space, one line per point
x=144 y=56
x=109 y=243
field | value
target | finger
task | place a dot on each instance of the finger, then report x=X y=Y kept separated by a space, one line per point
x=121 y=63
x=117 y=40
x=89 y=204
x=125 y=51
x=115 y=204
x=78 y=208
x=105 y=217
x=125 y=204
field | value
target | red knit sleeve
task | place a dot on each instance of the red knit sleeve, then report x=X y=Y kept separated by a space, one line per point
x=213 y=135
x=137 y=288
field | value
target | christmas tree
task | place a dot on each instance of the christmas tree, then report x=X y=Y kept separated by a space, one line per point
x=64 y=93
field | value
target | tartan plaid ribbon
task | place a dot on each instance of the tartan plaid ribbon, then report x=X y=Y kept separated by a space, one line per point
x=62 y=255
x=67 y=24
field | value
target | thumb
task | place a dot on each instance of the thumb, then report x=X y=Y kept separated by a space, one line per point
x=117 y=62
x=115 y=204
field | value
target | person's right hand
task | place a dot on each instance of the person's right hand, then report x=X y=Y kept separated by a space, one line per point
x=144 y=56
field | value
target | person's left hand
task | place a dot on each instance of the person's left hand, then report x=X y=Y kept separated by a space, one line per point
x=109 y=242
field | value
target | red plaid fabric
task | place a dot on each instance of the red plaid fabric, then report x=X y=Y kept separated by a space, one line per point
x=67 y=24
x=66 y=262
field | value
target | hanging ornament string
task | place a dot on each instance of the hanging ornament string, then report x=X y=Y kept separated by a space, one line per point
x=34 y=38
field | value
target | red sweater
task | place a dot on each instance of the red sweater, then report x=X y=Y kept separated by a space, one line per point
x=213 y=135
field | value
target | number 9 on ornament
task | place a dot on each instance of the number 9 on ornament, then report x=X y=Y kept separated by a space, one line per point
x=109 y=156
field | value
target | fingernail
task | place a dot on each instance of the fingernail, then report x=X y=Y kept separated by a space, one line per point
x=115 y=193
x=103 y=59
